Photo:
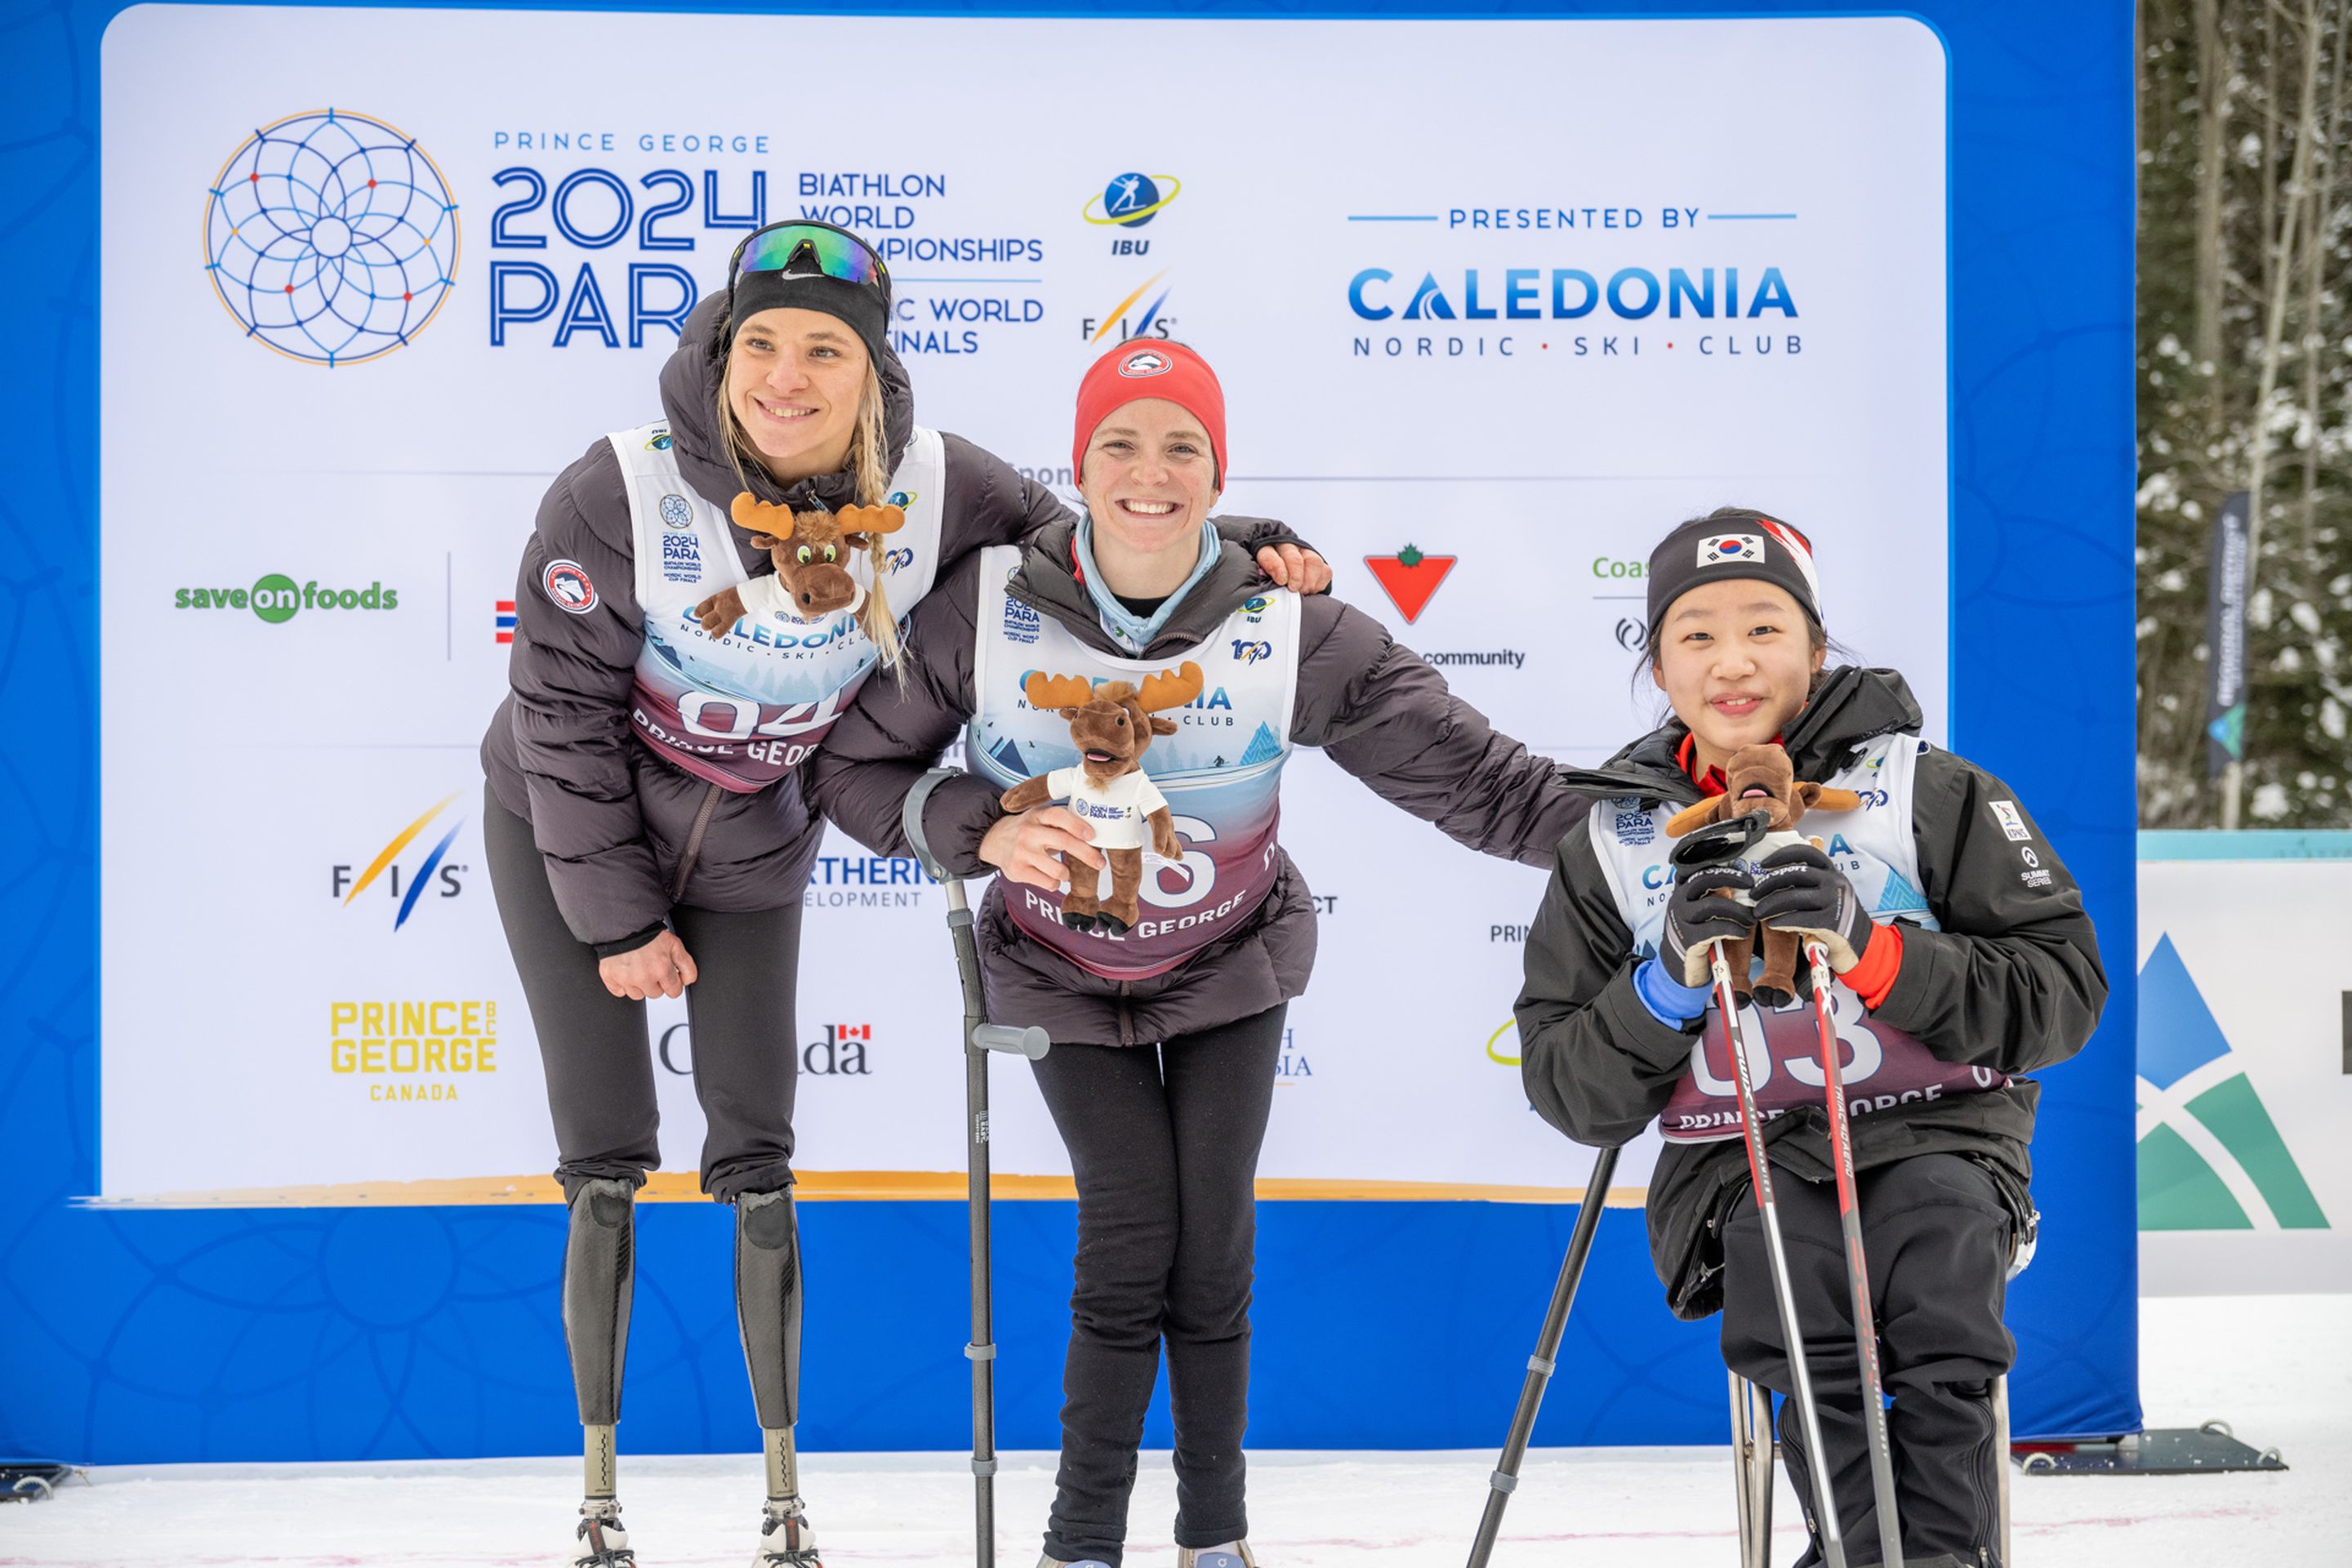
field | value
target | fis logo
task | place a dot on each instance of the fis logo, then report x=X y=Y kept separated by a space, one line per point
x=1119 y=320
x=1248 y=652
x=406 y=887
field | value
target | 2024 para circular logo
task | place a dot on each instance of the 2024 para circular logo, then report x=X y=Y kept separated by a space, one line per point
x=331 y=238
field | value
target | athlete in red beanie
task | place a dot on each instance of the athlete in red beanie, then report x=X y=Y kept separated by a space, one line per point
x=1155 y=368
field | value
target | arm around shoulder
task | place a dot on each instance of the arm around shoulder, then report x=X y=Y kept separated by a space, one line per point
x=1384 y=715
x=902 y=720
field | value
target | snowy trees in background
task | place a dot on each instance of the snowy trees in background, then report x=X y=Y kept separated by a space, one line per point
x=2245 y=228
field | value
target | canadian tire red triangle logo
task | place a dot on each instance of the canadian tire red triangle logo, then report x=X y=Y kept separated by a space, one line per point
x=1410 y=578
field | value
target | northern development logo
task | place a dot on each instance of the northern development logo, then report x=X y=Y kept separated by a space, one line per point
x=2210 y=1156
x=331 y=238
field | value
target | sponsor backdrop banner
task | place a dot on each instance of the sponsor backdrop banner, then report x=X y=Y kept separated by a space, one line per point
x=2245 y=1181
x=391 y=285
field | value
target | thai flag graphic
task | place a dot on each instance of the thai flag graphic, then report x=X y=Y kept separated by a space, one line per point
x=506 y=613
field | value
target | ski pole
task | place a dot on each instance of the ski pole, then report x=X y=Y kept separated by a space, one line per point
x=1857 y=1269
x=979 y=1038
x=1506 y=1478
x=1759 y=1171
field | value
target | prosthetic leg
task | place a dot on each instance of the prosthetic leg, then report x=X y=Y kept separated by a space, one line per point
x=768 y=1308
x=599 y=1271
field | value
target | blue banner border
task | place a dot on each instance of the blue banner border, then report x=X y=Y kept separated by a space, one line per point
x=129 y=1337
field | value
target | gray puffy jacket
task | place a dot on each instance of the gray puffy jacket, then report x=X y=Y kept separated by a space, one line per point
x=611 y=818
x=1372 y=706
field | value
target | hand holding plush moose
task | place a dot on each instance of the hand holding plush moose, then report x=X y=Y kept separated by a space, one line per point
x=809 y=549
x=1763 y=778
x=1112 y=725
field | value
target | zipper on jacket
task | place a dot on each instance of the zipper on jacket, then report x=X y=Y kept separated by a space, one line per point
x=1126 y=1019
x=694 y=842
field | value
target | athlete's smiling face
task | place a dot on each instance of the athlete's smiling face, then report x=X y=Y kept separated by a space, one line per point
x=1737 y=658
x=1151 y=476
x=793 y=380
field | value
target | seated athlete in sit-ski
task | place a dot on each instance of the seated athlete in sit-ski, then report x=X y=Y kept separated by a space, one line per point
x=1164 y=992
x=1962 y=959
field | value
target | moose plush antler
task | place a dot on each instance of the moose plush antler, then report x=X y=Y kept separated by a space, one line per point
x=1761 y=778
x=808 y=549
x=1112 y=725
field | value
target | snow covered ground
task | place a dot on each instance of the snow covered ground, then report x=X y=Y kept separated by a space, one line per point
x=2278 y=1368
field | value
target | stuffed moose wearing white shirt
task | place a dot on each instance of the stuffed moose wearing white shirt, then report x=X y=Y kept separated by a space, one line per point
x=1112 y=725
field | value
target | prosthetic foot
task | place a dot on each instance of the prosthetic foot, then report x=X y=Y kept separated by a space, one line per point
x=768 y=1308
x=599 y=1271
x=598 y=1541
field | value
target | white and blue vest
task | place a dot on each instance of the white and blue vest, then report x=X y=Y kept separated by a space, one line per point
x=1220 y=770
x=1879 y=1065
x=744 y=706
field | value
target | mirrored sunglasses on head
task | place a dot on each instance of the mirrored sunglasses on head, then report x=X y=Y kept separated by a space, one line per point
x=808 y=249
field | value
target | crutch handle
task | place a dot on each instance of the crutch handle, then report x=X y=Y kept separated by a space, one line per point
x=910 y=820
x=1031 y=1042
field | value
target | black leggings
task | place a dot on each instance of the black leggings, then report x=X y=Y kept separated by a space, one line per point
x=599 y=1060
x=1164 y=1142
x=1938 y=1234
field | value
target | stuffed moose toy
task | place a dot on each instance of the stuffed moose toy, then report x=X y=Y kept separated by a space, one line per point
x=1112 y=726
x=1761 y=778
x=808 y=549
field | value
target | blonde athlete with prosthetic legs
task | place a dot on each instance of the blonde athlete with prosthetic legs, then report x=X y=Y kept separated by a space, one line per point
x=1165 y=1030
x=647 y=829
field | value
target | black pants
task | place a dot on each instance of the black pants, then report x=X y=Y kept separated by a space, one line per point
x=1938 y=1234
x=593 y=1045
x=1164 y=1143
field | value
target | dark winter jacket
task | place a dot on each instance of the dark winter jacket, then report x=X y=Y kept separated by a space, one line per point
x=2011 y=981
x=611 y=818
x=1373 y=707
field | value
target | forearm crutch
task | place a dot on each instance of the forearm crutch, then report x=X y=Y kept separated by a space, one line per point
x=1759 y=1172
x=1857 y=1269
x=979 y=1038
x=1506 y=1478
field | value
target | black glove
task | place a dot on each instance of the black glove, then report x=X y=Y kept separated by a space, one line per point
x=1798 y=890
x=1697 y=916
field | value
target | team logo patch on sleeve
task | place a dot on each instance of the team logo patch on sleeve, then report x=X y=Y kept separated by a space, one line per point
x=567 y=584
x=1716 y=549
x=2012 y=821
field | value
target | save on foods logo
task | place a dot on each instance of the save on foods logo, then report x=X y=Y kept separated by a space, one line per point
x=2210 y=1156
x=404 y=886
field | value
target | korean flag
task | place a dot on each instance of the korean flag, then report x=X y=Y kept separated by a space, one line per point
x=1717 y=548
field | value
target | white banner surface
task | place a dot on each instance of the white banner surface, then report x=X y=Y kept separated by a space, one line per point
x=1495 y=304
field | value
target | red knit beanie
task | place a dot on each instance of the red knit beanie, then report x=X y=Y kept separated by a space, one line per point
x=1152 y=368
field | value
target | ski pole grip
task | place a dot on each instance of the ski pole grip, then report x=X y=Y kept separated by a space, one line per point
x=1031 y=1042
x=910 y=821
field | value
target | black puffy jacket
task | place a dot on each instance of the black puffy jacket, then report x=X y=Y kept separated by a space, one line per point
x=2011 y=981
